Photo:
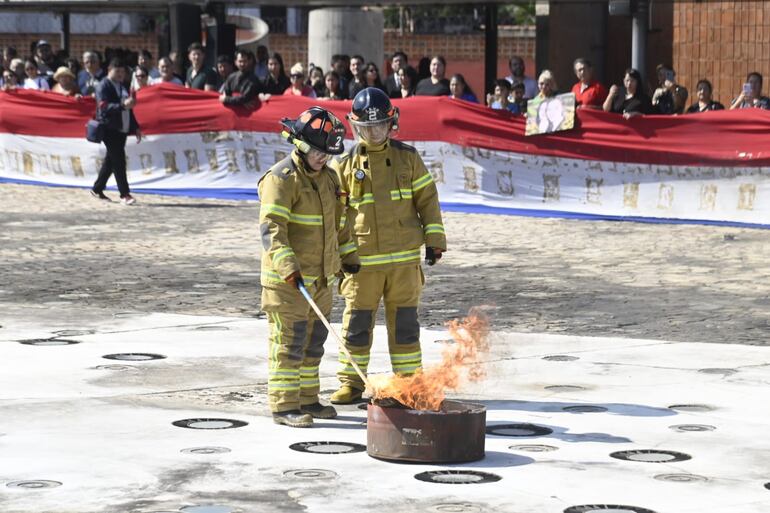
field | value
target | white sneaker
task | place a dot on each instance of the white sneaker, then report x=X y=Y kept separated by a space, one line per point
x=127 y=200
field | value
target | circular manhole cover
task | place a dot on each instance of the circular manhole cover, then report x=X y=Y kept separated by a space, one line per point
x=564 y=388
x=115 y=367
x=134 y=357
x=692 y=428
x=560 y=358
x=606 y=508
x=209 y=285
x=533 y=448
x=310 y=473
x=457 y=477
x=210 y=423
x=123 y=315
x=455 y=507
x=73 y=333
x=718 y=370
x=48 y=342
x=211 y=328
x=205 y=450
x=34 y=484
x=210 y=508
x=692 y=408
x=327 y=447
x=584 y=408
x=518 y=430
x=680 y=478
x=651 y=456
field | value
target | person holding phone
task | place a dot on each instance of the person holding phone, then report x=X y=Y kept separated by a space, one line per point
x=751 y=94
x=669 y=97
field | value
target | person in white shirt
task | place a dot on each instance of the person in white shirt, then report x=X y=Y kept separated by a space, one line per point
x=516 y=65
x=34 y=80
x=167 y=76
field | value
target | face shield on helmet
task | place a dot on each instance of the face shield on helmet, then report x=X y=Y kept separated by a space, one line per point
x=372 y=116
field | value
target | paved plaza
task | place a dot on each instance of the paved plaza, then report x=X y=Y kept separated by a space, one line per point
x=619 y=340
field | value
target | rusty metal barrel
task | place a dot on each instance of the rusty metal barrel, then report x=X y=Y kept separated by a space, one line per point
x=454 y=434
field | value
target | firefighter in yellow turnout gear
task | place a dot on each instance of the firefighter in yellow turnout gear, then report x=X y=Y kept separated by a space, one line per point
x=394 y=209
x=305 y=239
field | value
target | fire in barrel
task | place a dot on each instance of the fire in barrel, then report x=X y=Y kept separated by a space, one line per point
x=410 y=419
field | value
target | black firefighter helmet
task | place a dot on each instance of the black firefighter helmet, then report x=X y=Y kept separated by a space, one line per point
x=372 y=106
x=315 y=128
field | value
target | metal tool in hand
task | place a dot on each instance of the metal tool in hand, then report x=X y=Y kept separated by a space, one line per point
x=314 y=306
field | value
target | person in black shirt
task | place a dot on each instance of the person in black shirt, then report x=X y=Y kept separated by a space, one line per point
x=393 y=82
x=277 y=82
x=243 y=82
x=705 y=102
x=358 y=82
x=436 y=84
x=225 y=67
x=634 y=102
x=198 y=75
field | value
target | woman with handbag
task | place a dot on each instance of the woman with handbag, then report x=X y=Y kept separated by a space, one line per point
x=114 y=114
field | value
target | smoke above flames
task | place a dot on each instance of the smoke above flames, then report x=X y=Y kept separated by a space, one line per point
x=426 y=389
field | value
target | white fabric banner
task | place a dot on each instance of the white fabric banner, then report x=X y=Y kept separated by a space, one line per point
x=228 y=164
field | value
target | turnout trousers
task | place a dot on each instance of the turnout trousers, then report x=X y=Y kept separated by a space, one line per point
x=400 y=288
x=296 y=346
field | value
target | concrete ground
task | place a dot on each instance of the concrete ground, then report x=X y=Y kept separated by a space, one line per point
x=649 y=316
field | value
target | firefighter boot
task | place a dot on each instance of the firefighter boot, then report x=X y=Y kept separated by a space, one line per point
x=293 y=418
x=319 y=411
x=346 y=395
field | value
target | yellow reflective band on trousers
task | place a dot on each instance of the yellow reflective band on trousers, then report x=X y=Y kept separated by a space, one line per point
x=434 y=228
x=406 y=363
x=308 y=377
x=346 y=368
x=278 y=210
x=422 y=182
x=343 y=220
x=308 y=220
x=366 y=199
x=391 y=258
x=400 y=194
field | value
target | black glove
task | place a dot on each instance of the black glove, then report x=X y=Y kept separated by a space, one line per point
x=432 y=255
x=351 y=268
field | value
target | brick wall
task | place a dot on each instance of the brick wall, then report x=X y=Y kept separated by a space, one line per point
x=721 y=41
x=82 y=42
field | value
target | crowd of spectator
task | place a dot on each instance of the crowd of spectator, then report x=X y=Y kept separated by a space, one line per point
x=247 y=77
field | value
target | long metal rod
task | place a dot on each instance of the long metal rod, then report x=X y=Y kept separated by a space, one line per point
x=341 y=343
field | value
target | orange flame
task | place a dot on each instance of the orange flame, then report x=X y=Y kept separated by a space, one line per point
x=425 y=390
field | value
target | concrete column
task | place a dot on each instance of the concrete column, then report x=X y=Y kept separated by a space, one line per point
x=639 y=26
x=490 y=46
x=64 y=35
x=345 y=30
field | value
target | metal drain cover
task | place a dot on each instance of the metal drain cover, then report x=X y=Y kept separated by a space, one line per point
x=565 y=388
x=455 y=507
x=210 y=423
x=680 y=478
x=48 y=342
x=211 y=328
x=560 y=358
x=123 y=315
x=606 y=508
x=584 y=408
x=692 y=427
x=134 y=357
x=718 y=370
x=533 y=448
x=651 y=456
x=327 y=447
x=212 y=508
x=694 y=408
x=518 y=430
x=457 y=477
x=205 y=450
x=310 y=473
x=34 y=484
x=73 y=333
x=115 y=367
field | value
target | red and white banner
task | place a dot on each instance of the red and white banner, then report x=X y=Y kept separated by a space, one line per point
x=711 y=167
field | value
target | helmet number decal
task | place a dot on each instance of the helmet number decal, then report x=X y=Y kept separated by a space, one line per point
x=372 y=111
